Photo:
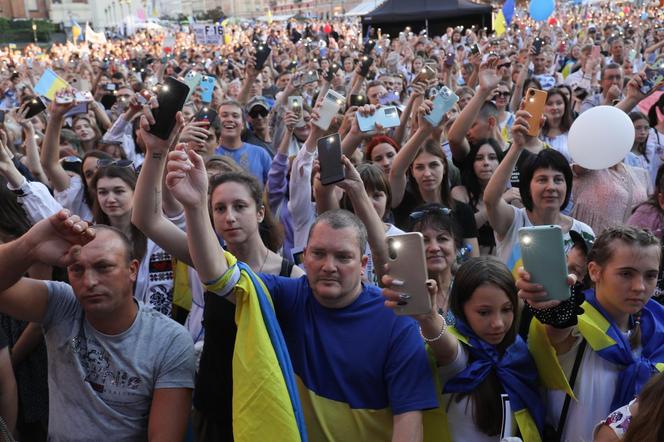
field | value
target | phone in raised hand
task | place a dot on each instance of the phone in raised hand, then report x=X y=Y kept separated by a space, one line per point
x=171 y=97
x=407 y=262
x=444 y=100
x=329 y=155
x=262 y=52
x=329 y=108
x=295 y=105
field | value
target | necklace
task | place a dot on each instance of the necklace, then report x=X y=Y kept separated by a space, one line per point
x=267 y=252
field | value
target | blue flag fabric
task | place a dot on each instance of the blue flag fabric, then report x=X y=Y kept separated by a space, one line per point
x=515 y=369
x=638 y=370
x=508 y=11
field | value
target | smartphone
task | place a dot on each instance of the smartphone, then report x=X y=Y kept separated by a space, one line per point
x=358 y=100
x=295 y=104
x=207 y=84
x=450 y=59
x=206 y=114
x=389 y=98
x=535 y=102
x=110 y=87
x=77 y=110
x=537 y=45
x=308 y=77
x=368 y=47
x=427 y=73
x=292 y=66
x=108 y=100
x=543 y=255
x=407 y=263
x=475 y=49
x=365 y=65
x=171 y=97
x=334 y=68
x=192 y=80
x=329 y=108
x=329 y=155
x=83 y=97
x=262 y=52
x=444 y=101
x=654 y=76
x=35 y=107
x=385 y=116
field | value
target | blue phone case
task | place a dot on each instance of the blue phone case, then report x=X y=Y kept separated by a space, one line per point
x=444 y=101
x=207 y=87
x=385 y=116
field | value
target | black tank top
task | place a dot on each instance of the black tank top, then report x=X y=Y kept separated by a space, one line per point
x=213 y=395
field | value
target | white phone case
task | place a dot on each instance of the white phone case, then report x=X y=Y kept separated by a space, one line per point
x=328 y=109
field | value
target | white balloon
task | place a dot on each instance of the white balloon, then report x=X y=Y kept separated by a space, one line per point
x=600 y=137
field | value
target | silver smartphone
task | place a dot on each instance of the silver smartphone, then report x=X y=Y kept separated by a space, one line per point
x=407 y=262
x=329 y=108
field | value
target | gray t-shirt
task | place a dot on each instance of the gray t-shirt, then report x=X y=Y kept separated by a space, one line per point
x=101 y=386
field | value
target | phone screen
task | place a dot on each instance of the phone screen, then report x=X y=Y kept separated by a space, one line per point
x=366 y=64
x=329 y=155
x=171 y=97
x=262 y=52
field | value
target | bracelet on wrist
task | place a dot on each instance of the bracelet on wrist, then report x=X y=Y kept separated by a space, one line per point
x=440 y=335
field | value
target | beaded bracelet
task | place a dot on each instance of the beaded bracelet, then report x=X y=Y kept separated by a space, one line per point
x=440 y=335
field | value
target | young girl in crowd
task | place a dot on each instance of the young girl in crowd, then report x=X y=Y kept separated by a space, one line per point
x=615 y=342
x=476 y=171
x=481 y=356
x=650 y=213
x=381 y=151
x=638 y=157
x=420 y=175
x=558 y=121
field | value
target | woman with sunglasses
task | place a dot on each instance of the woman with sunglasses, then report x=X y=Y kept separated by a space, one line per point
x=420 y=175
x=505 y=118
x=558 y=121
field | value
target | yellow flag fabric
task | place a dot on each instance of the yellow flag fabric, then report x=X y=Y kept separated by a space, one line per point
x=76 y=31
x=262 y=405
x=181 y=291
x=499 y=23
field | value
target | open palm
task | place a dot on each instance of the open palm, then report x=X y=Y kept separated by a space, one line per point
x=488 y=75
x=187 y=179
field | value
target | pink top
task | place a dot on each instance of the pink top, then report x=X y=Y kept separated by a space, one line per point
x=605 y=198
x=648 y=217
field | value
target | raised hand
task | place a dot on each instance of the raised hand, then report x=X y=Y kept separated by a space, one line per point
x=153 y=144
x=57 y=240
x=187 y=179
x=488 y=74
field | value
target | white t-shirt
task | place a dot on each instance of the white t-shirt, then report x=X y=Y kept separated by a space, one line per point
x=559 y=143
x=594 y=388
x=72 y=198
x=508 y=249
x=460 y=414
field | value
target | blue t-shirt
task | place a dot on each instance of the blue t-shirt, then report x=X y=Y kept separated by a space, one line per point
x=252 y=158
x=356 y=366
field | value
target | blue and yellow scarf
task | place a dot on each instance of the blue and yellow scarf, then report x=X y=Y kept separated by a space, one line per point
x=515 y=370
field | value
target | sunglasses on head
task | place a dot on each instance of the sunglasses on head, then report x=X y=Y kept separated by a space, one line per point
x=419 y=214
x=256 y=112
x=71 y=159
x=101 y=163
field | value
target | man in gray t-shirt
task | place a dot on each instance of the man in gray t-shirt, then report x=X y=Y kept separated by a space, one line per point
x=117 y=369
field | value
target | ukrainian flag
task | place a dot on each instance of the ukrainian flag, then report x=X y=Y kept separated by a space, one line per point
x=76 y=30
x=49 y=84
x=266 y=402
x=499 y=23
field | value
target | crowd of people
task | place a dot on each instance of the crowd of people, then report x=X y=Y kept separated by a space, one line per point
x=213 y=285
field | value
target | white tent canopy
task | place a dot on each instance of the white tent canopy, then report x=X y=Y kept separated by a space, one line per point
x=364 y=8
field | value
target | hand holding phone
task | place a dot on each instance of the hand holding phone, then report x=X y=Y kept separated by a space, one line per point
x=295 y=105
x=535 y=102
x=407 y=263
x=358 y=100
x=329 y=155
x=444 y=100
x=262 y=52
x=543 y=255
x=365 y=66
x=328 y=109
x=385 y=116
x=206 y=114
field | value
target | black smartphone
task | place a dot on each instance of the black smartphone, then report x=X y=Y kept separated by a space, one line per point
x=368 y=47
x=537 y=46
x=329 y=155
x=110 y=87
x=206 y=114
x=450 y=59
x=262 y=52
x=358 y=100
x=35 y=106
x=475 y=49
x=329 y=75
x=171 y=97
x=365 y=65
x=108 y=100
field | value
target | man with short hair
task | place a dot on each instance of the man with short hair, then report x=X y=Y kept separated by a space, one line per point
x=375 y=90
x=362 y=371
x=116 y=368
x=253 y=158
x=611 y=81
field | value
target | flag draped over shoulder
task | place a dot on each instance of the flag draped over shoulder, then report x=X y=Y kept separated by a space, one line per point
x=265 y=396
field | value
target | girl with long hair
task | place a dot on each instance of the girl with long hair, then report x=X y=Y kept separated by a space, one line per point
x=558 y=121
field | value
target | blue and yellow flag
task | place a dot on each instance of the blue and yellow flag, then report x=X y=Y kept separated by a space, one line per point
x=266 y=402
x=499 y=23
x=76 y=30
x=49 y=84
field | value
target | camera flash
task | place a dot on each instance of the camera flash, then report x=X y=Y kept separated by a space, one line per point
x=205 y=109
x=164 y=88
x=396 y=245
x=526 y=240
x=330 y=139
